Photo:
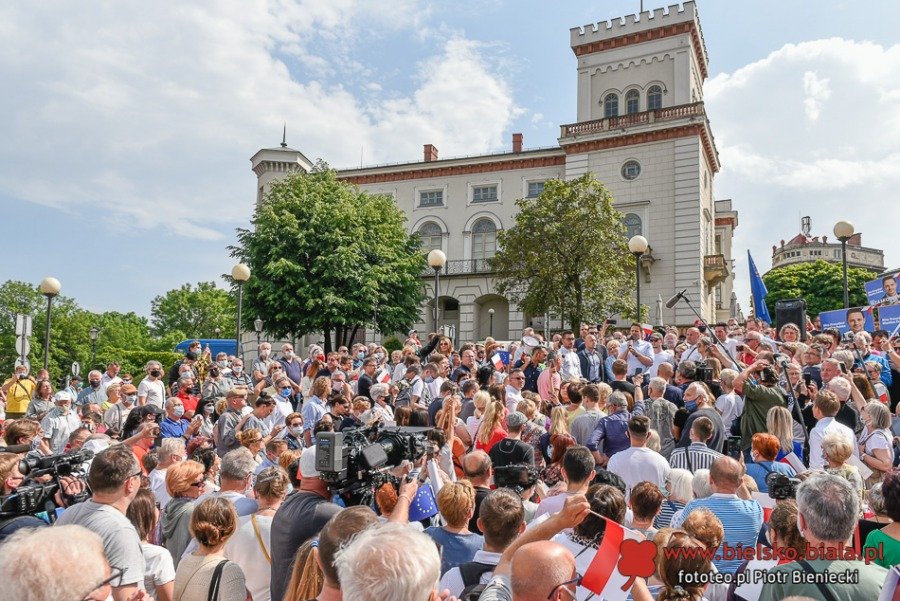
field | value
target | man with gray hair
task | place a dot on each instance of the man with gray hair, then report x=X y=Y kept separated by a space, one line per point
x=380 y=409
x=235 y=477
x=661 y=412
x=828 y=510
x=171 y=451
x=92 y=393
x=611 y=434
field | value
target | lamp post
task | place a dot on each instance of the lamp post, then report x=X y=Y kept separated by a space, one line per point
x=240 y=273
x=436 y=260
x=94 y=333
x=638 y=246
x=844 y=230
x=49 y=287
x=491 y=330
x=257 y=327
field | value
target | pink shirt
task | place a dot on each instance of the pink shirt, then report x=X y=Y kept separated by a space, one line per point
x=548 y=383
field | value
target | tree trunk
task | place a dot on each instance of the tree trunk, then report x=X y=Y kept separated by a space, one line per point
x=353 y=334
x=326 y=335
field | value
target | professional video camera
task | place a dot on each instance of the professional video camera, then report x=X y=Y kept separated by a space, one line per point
x=33 y=497
x=355 y=463
x=781 y=486
x=516 y=477
x=704 y=372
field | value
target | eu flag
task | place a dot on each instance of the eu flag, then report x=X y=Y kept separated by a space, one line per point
x=758 y=289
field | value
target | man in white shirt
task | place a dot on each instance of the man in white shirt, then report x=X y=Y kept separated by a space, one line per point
x=635 y=351
x=514 y=385
x=638 y=463
x=721 y=332
x=660 y=355
x=60 y=422
x=825 y=407
x=692 y=337
x=109 y=376
x=577 y=471
x=151 y=389
x=171 y=451
x=571 y=364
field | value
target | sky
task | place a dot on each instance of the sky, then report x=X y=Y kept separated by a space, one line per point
x=126 y=127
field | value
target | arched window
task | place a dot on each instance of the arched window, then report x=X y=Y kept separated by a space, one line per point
x=484 y=239
x=633 y=225
x=654 y=98
x=430 y=234
x=611 y=105
x=632 y=102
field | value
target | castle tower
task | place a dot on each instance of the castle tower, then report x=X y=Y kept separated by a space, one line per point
x=270 y=164
x=643 y=130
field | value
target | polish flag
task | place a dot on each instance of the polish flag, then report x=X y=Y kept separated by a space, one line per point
x=497 y=361
x=766 y=502
x=383 y=376
x=648 y=329
x=609 y=572
x=792 y=460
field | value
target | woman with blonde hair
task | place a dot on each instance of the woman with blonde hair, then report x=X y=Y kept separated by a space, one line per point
x=876 y=445
x=251 y=545
x=789 y=433
x=206 y=573
x=836 y=450
x=185 y=482
x=481 y=400
x=447 y=422
x=252 y=439
x=490 y=430
x=532 y=433
x=306 y=382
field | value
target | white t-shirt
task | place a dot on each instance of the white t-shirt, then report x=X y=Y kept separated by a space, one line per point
x=658 y=359
x=637 y=464
x=551 y=505
x=158 y=487
x=158 y=567
x=154 y=391
x=730 y=405
x=244 y=549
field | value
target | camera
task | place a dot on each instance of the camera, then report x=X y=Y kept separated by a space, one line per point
x=732 y=447
x=704 y=372
x=516 y=477
x=32 y=497
x=781 y=486
x=353 y=462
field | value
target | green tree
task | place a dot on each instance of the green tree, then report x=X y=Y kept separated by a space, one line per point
x=819 y=283
x=567 y=253
x=194 y=312
x=327 y=257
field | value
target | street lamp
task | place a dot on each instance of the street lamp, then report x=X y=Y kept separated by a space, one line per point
x=49 y=287
x=218 y=332
x=240 y=273
x=638 y=246
x=844 y=230
x=491 y=313
x=257 y=327
x=94 y=333
x=436 y=260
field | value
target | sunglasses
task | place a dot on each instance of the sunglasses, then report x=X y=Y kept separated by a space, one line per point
x=116 y=576
x=565 y=586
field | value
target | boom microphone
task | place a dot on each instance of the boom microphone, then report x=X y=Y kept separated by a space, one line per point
x=674 y=300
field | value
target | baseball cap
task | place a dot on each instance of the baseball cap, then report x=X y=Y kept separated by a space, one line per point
x=308 y=463
x=62 y=395
x=516 y=419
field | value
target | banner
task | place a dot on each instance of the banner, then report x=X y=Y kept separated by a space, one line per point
x=889 y=317
x=855 y=319
x=883 y=291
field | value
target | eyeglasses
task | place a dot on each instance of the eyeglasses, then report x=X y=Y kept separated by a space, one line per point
x=565 y=586
x=116 y=576
x=137 y=474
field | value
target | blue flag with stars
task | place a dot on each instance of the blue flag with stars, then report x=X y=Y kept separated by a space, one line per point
x=759 y=291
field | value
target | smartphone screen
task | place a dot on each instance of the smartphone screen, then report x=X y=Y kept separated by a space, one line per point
x=638 y=371
x=807 y=379
x=843 y=367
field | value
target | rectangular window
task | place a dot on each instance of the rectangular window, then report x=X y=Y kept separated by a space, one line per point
x=535 y=189
x=432 y=198
x=484 y=194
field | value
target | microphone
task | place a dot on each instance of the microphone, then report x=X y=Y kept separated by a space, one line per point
x=674 y=300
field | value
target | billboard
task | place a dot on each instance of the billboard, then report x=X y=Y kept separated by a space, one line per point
x=883 y=291
x=855 y=319
x=889 y=317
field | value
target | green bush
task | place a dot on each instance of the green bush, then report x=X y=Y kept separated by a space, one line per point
x=391 y=344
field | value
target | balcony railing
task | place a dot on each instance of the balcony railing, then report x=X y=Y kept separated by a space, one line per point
x=715 y=269
x=670 y=113
x=462 y=267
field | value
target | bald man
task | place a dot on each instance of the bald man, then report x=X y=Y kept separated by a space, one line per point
x=478 y=470
x=533 y=568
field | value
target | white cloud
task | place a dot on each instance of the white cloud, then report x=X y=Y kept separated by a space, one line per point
x=147 y=113
x=812 y=129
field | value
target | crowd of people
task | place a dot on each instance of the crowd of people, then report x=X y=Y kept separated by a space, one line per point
x=202 y=480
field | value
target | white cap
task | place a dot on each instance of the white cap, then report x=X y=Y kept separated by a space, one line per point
x=63 y=395
x=308 y=463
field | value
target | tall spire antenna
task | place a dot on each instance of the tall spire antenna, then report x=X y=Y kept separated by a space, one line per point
x=284 y=137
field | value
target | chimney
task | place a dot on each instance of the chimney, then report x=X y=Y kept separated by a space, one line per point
x=431 y=153
x=517 y=143
x=855 y=240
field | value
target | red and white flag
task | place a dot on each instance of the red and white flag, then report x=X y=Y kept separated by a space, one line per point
x=383 y=376
x=497 y=361
x=608 y=572
x=792 y=460
x=766 y=502
x=648 y=329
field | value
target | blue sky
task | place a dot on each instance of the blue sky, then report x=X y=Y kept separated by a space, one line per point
x=127 y=127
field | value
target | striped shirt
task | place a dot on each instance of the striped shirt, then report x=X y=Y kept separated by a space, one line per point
x=664 y=517
x=741 y=520
x=698 y=456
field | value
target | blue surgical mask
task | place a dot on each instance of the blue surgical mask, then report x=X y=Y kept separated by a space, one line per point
x=690 y=406
x=286 y=392
x=178 y=410
x=361 y=355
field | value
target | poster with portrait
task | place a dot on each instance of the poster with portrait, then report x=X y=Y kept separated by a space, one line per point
x=889 y=317
x=883 y=291
x=854 y=319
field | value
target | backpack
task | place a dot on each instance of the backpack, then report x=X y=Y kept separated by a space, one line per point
x=405 y=392
x=471 y=573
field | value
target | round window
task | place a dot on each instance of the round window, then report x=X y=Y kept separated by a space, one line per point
x=631 y=169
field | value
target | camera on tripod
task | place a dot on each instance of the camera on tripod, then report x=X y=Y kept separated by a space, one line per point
x=781 y=486
x=33 y=497
x=704 y=372
x=354 y=462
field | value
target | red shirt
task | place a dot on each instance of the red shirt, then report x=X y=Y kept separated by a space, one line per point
x=188 y=400
x=496 y=436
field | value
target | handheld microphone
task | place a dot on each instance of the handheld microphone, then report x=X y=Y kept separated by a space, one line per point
x=674 y=300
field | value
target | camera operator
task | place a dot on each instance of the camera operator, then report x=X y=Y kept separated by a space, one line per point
x=10 y=479
x=759 y=385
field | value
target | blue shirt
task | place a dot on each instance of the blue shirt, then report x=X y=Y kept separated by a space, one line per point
x=759 y=470
x=456 y=549
x=741 y=520
x=313 y=410
x=612 y=431
x=171 y=428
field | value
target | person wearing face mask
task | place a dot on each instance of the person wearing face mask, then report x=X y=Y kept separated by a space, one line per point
x=291 y=366
x=152 y=390
x=92 y=393
x=173 y=426
x=117 y=414
x=294 y=436
x=223 y=364
x=262 y=363
x=60 y=423
x=216 y=385
x=18 y=390
x=237 y=375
